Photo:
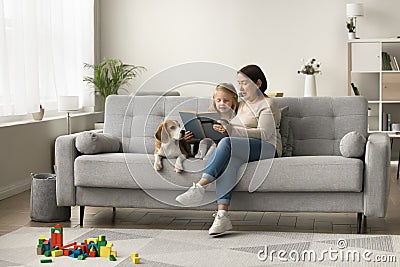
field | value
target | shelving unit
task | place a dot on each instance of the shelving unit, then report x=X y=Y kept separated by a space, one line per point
x=380 y=87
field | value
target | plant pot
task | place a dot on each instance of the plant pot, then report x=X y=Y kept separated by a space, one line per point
x=351 y=35
x=38 y=116
x=99 y=103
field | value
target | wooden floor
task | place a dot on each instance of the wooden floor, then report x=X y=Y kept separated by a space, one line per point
x=14 y=214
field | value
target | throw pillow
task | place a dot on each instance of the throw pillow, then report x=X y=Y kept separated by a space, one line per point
x=290 y=143
x=352 y=145
x=93 y=143
x=284 y=127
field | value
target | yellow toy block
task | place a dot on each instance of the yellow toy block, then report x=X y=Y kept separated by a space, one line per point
x=92 y=239
x=114 y=253
x=57 y=253
x=105 y=252
x=42 y=237
x=136 y=260
x=109 y=244
x=134 y=255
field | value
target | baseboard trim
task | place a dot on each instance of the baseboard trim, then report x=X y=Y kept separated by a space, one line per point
x=12 y=190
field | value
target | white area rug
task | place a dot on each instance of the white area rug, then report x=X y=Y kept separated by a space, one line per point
x=197 y=248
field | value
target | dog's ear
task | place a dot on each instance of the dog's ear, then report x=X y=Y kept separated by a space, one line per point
x=157 y=135
x=165 y=137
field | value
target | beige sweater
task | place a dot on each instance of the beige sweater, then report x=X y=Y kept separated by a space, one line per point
x=260 y=120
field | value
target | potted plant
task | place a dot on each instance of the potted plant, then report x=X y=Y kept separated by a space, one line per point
x=310 y=69
x=351 y=26
x=38 y=116
x=111 y=76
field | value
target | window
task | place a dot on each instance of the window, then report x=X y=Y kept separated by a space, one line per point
x=43 y=45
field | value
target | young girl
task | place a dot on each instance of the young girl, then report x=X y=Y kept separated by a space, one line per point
x=225 y=102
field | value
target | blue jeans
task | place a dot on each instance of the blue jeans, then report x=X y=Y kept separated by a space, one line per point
x=230 y=154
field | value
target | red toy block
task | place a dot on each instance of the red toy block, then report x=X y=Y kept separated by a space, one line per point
x=92 y=254
x=69 y=245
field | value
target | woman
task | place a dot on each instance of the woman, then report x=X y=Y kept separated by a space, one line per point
x=255 y=130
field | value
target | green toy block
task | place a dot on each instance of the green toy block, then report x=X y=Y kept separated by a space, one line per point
x=46 y=260
x=81 y=257
x=47 y=253
x=112 y=258
x=102 y=243
x=102 y=238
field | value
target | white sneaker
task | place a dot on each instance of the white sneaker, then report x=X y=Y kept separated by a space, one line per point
x=192 y=196
x=220 y=225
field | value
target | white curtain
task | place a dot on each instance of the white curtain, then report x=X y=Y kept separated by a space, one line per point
x=43 y=45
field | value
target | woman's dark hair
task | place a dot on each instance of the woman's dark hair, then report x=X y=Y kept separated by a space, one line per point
x=255 y=73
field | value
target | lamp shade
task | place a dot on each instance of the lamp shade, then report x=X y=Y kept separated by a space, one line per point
x=355 y=10
x=68 y=103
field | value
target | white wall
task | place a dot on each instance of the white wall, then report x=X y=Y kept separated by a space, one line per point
x=159 y=34
x=29 y=148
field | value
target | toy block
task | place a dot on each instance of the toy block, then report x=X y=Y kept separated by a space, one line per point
x=41 y=241
x=112 y=258
x=47 y=253
x=67 y=252
x=134 y=255
x=102 y=243
x=57 y=253
x=68 y=245
x=46 y=260
x=114 y=253
x=136 y=260
x=92 y=239
x=105 y=252
x=42 y=237
x=81 y=257
x=92 y=254
x=39 y=251
x=40 y=246
x=109 y=244
x=102 y=238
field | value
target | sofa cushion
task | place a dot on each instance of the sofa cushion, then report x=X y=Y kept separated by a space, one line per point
x=352 y=145
x=291 y=174
x=93 y=143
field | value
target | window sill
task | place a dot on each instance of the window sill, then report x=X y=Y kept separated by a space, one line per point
x=46 y=118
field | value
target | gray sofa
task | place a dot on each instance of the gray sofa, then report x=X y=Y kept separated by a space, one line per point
x=315 y=178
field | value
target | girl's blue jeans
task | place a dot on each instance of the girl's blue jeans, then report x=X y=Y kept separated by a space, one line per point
x=230 y=154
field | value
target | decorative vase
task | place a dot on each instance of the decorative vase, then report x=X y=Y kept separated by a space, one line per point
x=38 y=116
x=351 y=35
x=310 y=88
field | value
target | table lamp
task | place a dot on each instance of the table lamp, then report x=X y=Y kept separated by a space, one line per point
x=353 y=11
x=68 y=104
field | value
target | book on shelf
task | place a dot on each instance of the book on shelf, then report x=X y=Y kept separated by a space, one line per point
x=201 y=124
x=386 y=61
x=395 y=63
x=384 y=121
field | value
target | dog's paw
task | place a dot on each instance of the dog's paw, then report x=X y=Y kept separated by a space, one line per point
x=157 y=166
x=178 y=170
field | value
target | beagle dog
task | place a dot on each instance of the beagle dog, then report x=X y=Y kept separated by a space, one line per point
x=170 y=144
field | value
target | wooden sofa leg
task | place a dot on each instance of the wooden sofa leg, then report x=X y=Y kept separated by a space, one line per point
x=359 y=222
x=81 y=214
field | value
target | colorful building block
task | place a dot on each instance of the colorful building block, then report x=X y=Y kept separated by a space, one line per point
x=57 y=236
x=134 y=255
x=105 y=251
x=112 y=258
x=136 y=260
x=114 y=253
x=47 y=260
x=57 y=253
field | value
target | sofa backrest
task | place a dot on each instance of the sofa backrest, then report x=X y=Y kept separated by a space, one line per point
x=135 y=119
x=317 y=123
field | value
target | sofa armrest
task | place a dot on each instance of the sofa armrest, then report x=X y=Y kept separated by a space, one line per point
x=65 y=155
x=377 y=175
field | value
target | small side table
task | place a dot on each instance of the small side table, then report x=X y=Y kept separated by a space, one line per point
x=393 y=136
